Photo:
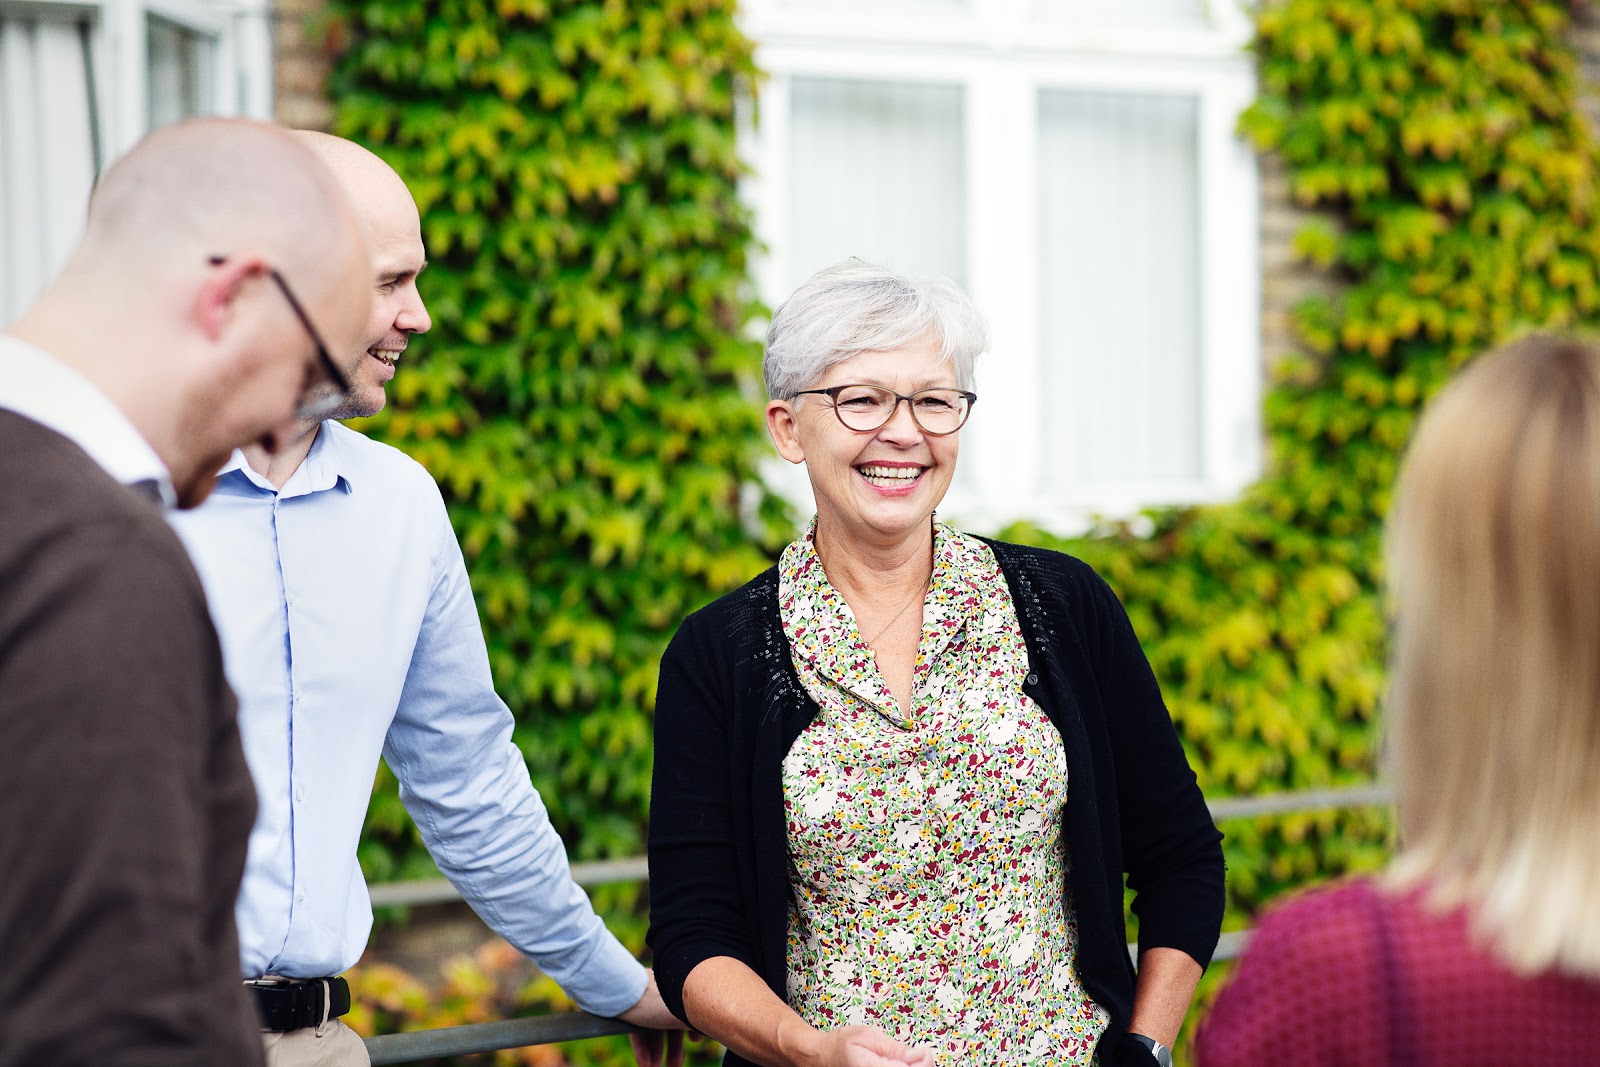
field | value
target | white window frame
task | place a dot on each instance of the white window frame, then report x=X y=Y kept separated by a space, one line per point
x=239 y=87
x=118 y=52
x=1003 y=58
x=239 y=82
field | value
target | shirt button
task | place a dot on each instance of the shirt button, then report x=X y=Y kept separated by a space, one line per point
x=1033 y=679
x=299 y=792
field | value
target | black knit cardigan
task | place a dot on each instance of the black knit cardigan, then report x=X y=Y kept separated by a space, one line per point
x=730 y=705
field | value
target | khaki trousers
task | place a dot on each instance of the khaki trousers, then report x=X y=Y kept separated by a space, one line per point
x=333 y=1045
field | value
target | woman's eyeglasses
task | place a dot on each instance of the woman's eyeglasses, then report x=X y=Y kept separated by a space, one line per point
x=864 y=408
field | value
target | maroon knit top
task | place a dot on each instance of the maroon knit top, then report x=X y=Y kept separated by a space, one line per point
x=1354 y=976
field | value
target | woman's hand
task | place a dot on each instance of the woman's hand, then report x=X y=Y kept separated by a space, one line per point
x=728 y=1001
x=662 y=1044
x=866 y=1046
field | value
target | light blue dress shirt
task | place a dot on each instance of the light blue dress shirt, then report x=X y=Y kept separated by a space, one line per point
x=349 y=631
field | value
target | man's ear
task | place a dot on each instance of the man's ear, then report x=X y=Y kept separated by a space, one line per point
x=226 y=280
x=781 y=427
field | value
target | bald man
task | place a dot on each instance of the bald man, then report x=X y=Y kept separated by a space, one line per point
x=350 y=632
x=218 y=259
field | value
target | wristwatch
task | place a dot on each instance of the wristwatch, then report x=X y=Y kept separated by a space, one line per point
x=1162 y=1053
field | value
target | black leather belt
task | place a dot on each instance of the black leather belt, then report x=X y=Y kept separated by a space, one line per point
x=296 y=1003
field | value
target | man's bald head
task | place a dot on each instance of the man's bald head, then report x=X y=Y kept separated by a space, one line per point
x=215 y=186
x=357 y=169
x=394 y=235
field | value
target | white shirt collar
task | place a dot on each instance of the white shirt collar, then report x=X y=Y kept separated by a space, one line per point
x=37 y=386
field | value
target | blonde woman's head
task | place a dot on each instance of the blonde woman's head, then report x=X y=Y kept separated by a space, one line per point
x=1493 y=555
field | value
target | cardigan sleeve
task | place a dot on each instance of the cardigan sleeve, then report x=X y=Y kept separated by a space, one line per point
x=696 y=911
x=1171 y=848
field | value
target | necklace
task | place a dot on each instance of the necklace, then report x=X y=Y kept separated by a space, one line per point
x=919 y=595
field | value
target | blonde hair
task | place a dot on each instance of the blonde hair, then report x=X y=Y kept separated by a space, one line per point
x=1493 y=554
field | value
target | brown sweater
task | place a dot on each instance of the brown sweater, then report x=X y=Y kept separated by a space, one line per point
x=125 y=802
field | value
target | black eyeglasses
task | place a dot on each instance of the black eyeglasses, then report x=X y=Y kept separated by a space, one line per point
x=313 y=406
x=864 y=408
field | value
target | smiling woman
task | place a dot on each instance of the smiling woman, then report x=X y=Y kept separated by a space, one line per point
x=877 y=474
x=862 y=840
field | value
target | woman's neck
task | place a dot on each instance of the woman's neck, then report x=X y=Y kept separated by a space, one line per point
x=875 y=573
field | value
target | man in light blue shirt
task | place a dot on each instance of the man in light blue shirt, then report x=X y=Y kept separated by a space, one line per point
x=349 y=631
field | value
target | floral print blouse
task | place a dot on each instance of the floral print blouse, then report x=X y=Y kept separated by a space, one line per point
x=926 y=856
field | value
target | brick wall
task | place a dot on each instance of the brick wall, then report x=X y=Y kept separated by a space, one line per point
x=1284 y=281
x=300 y=66
x=1586 y=38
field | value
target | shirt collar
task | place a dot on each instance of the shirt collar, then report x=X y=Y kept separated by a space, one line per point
x=40 y=387
x=822 y=630
x=326 y=466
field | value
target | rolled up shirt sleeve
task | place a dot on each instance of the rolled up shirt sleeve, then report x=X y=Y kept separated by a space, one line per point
x=467 y=787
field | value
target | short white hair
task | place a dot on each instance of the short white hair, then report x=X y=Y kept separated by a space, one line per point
x=856 y=306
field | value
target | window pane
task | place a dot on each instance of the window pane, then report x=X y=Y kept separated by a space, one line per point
x=1100 y=12
x=179 y=72
x=47 y=152
x=882 y=7
x=1119 y=271
x=878 y=171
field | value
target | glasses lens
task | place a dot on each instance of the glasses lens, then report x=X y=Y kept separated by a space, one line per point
x=939 y=410
x=328 y=390
x=864 y=407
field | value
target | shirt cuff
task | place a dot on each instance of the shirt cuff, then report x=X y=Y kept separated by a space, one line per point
x=610 y=982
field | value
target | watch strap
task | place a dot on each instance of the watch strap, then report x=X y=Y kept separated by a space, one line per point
x=1162 y=1053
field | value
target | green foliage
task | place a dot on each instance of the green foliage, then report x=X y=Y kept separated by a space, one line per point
x=1453 y=176
x=584 y=397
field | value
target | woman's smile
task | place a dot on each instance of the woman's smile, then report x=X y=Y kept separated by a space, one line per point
x=891 y=477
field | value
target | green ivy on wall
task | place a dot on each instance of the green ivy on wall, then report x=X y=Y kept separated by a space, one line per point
x=584 y=399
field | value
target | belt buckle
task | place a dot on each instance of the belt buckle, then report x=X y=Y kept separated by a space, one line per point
x=280 y=1002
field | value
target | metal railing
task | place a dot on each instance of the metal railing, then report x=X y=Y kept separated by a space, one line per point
x=440 y=891
x=578 y=1026
x=491 y=1037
